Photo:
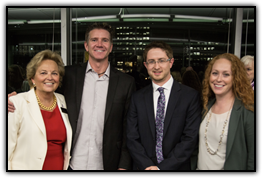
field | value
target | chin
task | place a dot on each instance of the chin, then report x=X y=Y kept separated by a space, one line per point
x=157 y=79
x=49 y=90
x=221 y=94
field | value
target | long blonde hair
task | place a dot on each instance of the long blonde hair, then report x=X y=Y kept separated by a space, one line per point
x=241 y=87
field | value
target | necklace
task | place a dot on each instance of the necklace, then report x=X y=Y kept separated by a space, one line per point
x=209 y=150
x=44 y=107
x=101 y=73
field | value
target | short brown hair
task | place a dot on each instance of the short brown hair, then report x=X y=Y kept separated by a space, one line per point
x=104 y=26
x=38 y=58
x=158 y=44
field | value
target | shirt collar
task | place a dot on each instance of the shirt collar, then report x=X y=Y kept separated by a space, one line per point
x=90 y=69
x=167 y=85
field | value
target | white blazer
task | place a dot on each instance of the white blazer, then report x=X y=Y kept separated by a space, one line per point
x=27 y=141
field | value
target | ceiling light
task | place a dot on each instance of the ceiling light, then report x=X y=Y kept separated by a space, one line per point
x=145 y=20
x=94 y=18
x=197 y=17
x=145 y=15
x=16 y=22
x=43 y=21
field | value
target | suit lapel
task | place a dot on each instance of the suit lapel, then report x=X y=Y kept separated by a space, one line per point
x=80 y=79
x=173 y=98
x=233 y=123
x=113 y=81
x=35 y=111
x=148 y=99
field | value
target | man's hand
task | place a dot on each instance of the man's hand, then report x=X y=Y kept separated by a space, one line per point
x=121 y=169
x=152 y=168
x=11 y=107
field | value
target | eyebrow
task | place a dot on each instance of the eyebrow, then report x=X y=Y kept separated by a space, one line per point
x=98 y=37
x=157 y=59
x=219 y=71
x=43 y=70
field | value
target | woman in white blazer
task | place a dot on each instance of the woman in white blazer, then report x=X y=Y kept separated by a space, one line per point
x=39 y=132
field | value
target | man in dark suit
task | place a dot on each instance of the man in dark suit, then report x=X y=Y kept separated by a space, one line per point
x=164 y=117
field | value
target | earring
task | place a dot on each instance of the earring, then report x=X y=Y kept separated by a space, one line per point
x=34 y=85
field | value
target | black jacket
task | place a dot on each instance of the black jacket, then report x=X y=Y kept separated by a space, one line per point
x=121 y=86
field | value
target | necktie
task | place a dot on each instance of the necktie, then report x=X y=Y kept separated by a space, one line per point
x=160 y=124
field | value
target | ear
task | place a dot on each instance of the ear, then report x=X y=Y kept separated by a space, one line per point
x=33 y=81
x=111 y=47
x=171 y=62
x=145 y=64
x=86 y=46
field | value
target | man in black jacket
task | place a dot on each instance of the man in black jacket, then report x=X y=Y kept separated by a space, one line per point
x=111 y=92
x=164 y=117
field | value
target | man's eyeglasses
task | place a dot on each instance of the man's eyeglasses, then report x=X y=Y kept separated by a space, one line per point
x=153 y=62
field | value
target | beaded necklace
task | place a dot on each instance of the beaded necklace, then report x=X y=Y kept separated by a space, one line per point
x=209 y=150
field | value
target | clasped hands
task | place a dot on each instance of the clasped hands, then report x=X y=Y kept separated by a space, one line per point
x=148 y=168
x=152 y=168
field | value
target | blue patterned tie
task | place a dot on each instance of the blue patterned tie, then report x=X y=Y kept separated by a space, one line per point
x=160 y=124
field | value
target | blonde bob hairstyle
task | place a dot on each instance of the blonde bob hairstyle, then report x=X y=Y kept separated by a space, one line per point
x=241 y=86
x=38 y=58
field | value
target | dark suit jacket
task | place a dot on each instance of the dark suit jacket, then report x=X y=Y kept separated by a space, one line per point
x=181 y=126
x=120 y=89
x=240 y=139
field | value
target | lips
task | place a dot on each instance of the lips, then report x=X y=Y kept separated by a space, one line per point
x=157 y=72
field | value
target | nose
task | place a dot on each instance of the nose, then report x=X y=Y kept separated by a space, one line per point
x=219 y=77
x=49 y=76
x=157 y=66
x=99 y=42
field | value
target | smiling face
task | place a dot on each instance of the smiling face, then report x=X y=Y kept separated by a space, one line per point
x=98 y=45
x=46 y=78
x=221 y=79
x=160 y=73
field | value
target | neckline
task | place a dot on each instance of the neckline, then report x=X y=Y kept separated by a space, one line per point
x=221 y=113
x=42 y=110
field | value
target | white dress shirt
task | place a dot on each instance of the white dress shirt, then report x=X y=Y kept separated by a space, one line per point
x=167 y=89
x=88 y=149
